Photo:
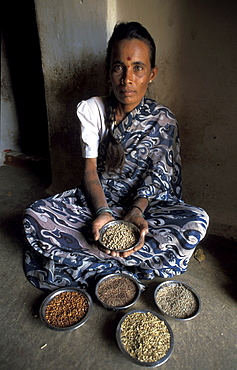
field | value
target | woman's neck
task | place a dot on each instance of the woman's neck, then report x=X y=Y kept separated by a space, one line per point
x=121 y=112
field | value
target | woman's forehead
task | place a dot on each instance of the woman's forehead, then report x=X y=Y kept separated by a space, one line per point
x=130 y=49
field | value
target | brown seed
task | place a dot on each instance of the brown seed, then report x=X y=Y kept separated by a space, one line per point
x=66 y=309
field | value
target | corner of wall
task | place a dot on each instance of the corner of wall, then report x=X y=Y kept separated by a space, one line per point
x=111 y=16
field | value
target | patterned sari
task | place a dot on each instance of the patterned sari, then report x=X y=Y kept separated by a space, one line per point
x=61 y=249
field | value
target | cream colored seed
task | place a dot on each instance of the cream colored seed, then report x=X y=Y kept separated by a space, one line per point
x=145 y=337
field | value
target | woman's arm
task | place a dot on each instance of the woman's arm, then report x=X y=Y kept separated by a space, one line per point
x=96 y=195
x=92 y=184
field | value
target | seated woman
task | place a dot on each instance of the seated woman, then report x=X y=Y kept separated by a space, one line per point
x=132 y=171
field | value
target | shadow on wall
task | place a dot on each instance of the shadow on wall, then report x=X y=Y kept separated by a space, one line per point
x=66 y=86
x=19 y=31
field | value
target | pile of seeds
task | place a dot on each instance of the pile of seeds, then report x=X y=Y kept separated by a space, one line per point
x=117 y=291
x=66 y=309
x=145 y=337
x=119 y=237
x=177 y=301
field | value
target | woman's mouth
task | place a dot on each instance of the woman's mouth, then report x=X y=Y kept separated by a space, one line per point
x=127 y=92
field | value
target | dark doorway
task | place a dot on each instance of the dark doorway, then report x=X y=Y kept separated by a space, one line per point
x=20 y=34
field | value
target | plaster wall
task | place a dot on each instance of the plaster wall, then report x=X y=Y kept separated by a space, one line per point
x=73 y=41
x=196 y=56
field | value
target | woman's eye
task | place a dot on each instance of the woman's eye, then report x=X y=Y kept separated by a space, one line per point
x=138 y=68
x=117 y=68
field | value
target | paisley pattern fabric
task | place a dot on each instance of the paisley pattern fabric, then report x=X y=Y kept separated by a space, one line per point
x=58 y=229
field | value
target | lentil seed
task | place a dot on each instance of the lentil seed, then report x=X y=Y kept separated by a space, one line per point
x=66 y=309
x=177 y=300
x=145 y=337
x=119 y=237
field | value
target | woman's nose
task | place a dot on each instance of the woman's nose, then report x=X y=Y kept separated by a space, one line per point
x=127 y=76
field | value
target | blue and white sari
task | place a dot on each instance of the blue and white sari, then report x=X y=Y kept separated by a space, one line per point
x=61 y=249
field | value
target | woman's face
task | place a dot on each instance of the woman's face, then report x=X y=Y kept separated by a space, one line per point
x=130 y=72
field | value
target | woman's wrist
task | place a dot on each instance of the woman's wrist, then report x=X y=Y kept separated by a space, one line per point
x=101 y=210
x=136 y=207
x=139 y=205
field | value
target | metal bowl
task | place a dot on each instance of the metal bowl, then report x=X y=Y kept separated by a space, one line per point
x=159 y=362
x=119 y=222
x=188 y=311
x=112 y=276
x=53 y=295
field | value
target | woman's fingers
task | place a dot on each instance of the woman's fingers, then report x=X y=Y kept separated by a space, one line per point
x=100 y=221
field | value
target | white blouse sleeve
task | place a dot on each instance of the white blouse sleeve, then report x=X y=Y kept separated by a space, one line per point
x=92 y=118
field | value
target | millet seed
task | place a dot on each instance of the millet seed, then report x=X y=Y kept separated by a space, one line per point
x=177 y=300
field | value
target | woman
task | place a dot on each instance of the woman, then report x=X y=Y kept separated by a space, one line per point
x=132 y=171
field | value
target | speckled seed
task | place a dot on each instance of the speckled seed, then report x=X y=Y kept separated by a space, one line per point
x=177 y=301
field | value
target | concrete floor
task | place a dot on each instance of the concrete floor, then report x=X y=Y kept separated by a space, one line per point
x=207 y=342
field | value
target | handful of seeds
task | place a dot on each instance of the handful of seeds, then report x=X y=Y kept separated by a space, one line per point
x=119 y=235
x=145 y=337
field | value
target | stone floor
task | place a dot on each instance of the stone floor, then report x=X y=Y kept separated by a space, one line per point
x=207 y=342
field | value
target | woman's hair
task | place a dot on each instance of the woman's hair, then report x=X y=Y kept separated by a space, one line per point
x=123 y=31
x=128 y=31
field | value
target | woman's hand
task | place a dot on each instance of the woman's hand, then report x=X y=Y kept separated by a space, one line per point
x=100 y=221
x=142 y=224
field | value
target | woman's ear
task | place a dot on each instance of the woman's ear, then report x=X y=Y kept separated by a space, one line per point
x=154 y=73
